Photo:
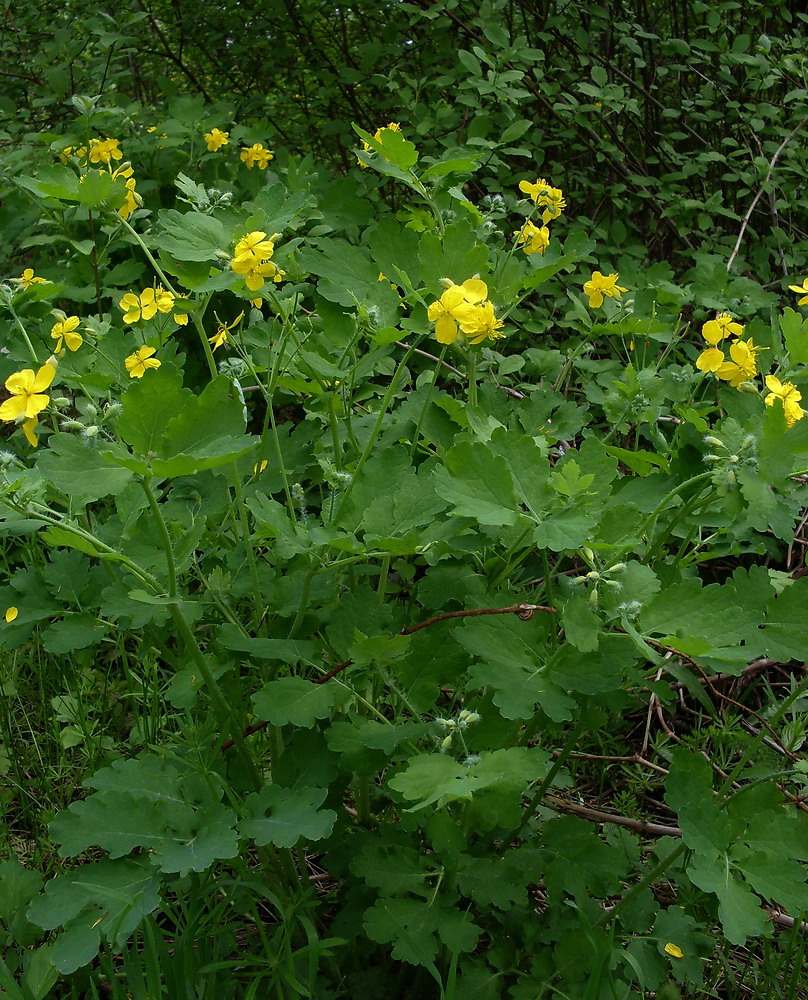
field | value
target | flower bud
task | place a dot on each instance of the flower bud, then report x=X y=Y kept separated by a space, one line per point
x=446 y=282
x=714 y=442
x=446 y=742
x=90 y=432
x=749 y=387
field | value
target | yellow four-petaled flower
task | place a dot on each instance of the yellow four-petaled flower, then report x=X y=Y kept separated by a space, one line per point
x=138 y=364
x=600 y=285
x=789 y=396
x=215 y=139
x=28 y=399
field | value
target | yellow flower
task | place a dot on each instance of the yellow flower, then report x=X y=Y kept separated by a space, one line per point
x=65 y=330
x=104 y=150
x=27 y=394
x=710 y=360
x=254 y=270
x=259 y=468
x=485 y=324
x=28 y=278
x=789 y=396
x=163 y=300
x=600 y=285
x=216 y=139
x=220 y=337
x=137 y=307
x=457 y=307
x=257 y=244
x=79 y=152
x=801 y=290
x=534 y=239
x=133 y=199
x=257 y=303
x=743 y=364
x=138 y=363
x=545 y=194
x=715 y=330
x=11 y=614
x=257 y=156
x=181 y=319
x=673 y=950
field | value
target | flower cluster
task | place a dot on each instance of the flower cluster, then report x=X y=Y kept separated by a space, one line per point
x=600 y=286
x=215 y=139
x=742 y=363
x=28 y=399
x=256 y=156
x=377 y=135
x=251 y=259
x=533 y=238
x=546 y=196
x=464 y=309
x=148 y=303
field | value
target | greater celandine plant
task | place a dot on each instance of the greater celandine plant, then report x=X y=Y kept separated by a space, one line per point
x=394 y=596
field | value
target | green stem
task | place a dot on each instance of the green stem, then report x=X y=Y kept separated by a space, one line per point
x=681 y=513
x=303 y=603
x=245 y=537
x=391 y=389
x=363 y=815
x=104 y=551
x=665 y=502
x=549 y=595
x=384 y=572
x=224 y=712
x=334 y=423
x=152 y=260
x=648 y=879
x=290 y=503
x=200 y=329
x=558 y=763
x=163 y=529
x=472 y=377
x=427 y=400
x=510 y=562
x=25 y=336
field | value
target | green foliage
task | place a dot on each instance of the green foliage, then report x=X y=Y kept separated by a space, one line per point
x=394 y=606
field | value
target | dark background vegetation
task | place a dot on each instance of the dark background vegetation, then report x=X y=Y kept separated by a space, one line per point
x=660 y=119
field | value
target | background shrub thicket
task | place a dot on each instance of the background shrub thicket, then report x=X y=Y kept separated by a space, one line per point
x=663 y=117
